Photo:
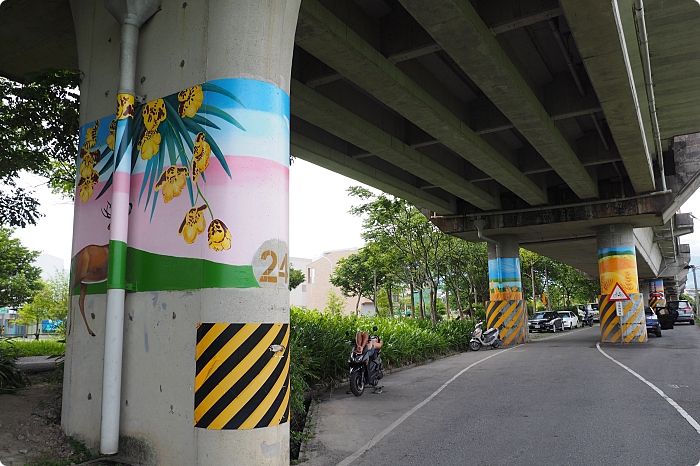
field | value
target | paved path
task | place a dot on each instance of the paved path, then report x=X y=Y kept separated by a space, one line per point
x=561 y=400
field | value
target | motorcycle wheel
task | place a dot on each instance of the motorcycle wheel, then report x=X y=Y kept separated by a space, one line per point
x=474 y=345
x=496 y=343
x=357 y=385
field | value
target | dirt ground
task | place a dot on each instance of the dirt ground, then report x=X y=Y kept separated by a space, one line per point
x=30 y=431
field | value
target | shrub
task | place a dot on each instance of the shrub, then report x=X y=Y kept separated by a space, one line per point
x=11 y=378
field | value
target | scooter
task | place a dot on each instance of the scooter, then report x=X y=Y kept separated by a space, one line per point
x=366 y=368
x=488 y=338
x=588 y=320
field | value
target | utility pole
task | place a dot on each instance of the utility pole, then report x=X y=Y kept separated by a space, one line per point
x=376 y=312
x=534 y=293
x=695 y=282
x=546 y=287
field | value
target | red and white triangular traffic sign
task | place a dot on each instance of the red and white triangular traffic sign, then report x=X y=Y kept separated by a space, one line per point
x=618 y=294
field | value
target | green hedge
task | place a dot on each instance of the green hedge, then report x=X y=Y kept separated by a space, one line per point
x=319 y=346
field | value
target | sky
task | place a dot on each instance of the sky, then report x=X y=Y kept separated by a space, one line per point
x=318 y=213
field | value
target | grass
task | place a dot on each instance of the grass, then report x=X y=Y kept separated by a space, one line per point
x=36 y=348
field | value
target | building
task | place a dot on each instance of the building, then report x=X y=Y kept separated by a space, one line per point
x=297 y=297
x=318 y=284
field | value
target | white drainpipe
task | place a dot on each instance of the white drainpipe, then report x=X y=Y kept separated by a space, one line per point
x=131 y=14
x=648 y=80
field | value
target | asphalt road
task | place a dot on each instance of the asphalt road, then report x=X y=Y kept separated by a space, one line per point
x=555 y=401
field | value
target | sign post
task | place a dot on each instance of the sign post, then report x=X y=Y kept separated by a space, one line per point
x=618 y=296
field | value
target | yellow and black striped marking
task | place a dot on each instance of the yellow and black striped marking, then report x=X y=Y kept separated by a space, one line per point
x=657 y=302
x=242 y=379
x=510 y=318
x=631 y=327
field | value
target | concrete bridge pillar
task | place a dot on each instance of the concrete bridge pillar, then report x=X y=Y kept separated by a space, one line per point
x=617 y=265
x=657 y=295
x=506 y=308
x=205 y=371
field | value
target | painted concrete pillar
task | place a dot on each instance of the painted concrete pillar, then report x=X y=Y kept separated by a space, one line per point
x=657 y=295
x=506 y=308
x=206 y=327
x=617 y=266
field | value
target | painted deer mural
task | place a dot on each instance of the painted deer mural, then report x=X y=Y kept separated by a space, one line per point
x=90 y=265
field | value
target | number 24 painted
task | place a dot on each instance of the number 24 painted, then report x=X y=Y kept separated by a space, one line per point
x=268 y=275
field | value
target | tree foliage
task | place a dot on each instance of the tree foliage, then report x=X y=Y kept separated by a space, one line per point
x=296 y=278
x=38 y=133
x=49 y=303
x=19 y=279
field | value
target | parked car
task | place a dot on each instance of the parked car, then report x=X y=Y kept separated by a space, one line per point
x=653 y=325
x=569 y=318
x=685 y=311
x=545 y=321
x=666 y=317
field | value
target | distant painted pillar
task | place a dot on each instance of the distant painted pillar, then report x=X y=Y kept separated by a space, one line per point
x=206 y=320
x=617 y=266
x=657 y=295
x=506 y=308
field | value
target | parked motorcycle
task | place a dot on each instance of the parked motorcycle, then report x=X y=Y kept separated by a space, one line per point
x=587 y=321
x=488 y=338
x=365 y=369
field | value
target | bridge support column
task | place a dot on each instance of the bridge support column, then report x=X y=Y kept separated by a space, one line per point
x=617 y=265
x=657 y=295
x=506 y=308
x=205 y=367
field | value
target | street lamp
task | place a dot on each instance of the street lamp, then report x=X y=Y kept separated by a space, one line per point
x=695 y=283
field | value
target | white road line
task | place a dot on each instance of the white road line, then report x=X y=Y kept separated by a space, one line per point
x=670 y=401
x=396 y=423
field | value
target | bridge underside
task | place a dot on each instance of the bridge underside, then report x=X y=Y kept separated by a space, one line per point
x=530 y=114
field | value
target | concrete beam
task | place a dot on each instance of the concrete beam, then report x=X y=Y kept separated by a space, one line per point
x=330 y=40
x=527 y=20
x=594 y=28
x=320 y=111
x=648 y=251
x=457 y=27
x=323 y=156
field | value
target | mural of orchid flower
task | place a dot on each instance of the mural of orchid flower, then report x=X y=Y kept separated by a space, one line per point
x=218 y=235
x=91 y=136
x=149 y=144
x=193 y=224
x=200 y=154
x=154 y=114
x=172 y=182
x=87 y=184
x=190 y=100
x=112 y=134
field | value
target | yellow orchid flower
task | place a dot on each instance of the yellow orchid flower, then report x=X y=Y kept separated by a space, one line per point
x=149 y=144
x=112 y=134
x=190 y=101
x=153 y=114
x=88 y=163
x=91 y=135
x=172 y=182
x=200 y=154
x=87 y=183
x=219 y=236
x=193 y=224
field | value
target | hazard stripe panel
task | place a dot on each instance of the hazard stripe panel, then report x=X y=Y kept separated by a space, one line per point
x=510 y=318
x=630 y=327
x=657 y=302
x=242 y=376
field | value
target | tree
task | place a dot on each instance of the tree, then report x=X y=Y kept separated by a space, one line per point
x=354 y=275
x=334 y=303
x=296 y=277
x=49 y=303
x=38 y=133
x=19 y=279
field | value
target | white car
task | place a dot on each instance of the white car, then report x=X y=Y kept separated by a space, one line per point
x=569 y=319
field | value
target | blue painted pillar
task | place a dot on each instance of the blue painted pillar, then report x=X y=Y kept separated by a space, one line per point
x=506 y=308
